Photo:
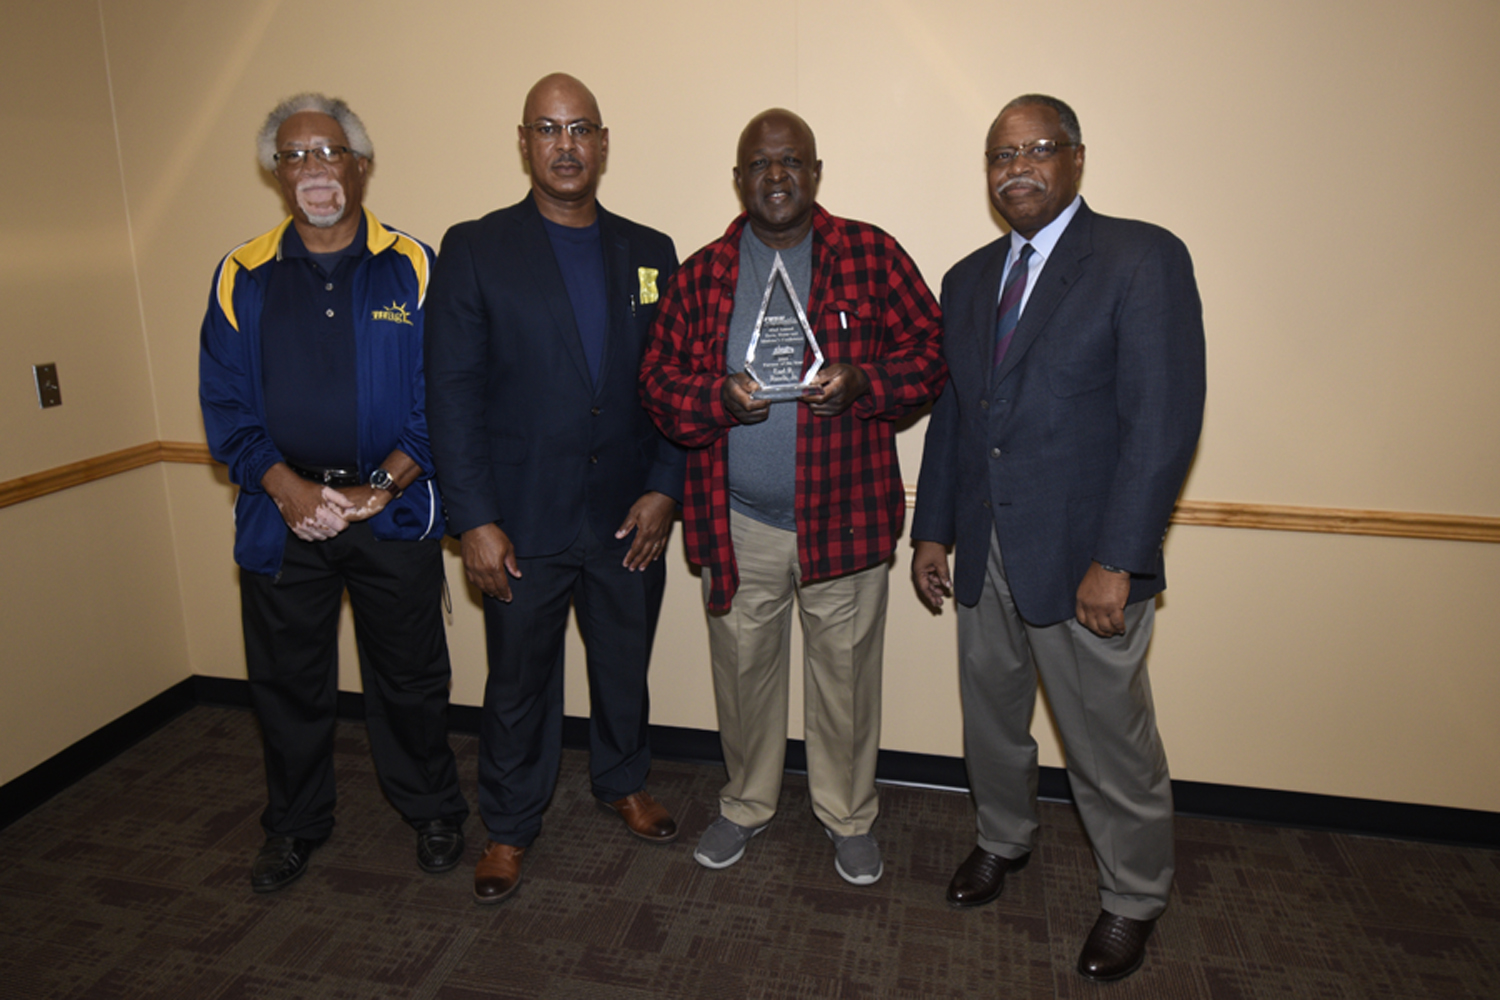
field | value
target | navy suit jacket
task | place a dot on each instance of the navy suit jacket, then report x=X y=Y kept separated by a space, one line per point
x=522 y=435
x=1076 y=447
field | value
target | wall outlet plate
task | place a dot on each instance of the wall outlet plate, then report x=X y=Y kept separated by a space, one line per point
x=48 y=392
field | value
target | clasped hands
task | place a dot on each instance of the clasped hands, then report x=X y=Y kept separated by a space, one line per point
x=316 y=513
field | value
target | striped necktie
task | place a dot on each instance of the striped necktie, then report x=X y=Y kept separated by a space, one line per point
x=1009 y=310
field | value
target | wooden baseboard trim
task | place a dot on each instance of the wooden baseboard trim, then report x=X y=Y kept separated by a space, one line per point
x=1202 y=513
x=1369 y=817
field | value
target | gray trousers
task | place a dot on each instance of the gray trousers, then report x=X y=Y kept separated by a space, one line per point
x=1101 y=700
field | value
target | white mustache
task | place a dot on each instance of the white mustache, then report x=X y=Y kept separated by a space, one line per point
x=316 y=182
x=1031 y=182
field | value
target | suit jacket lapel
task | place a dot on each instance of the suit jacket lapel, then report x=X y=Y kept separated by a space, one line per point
x=985 y=305
x=1058 y=275
x=541 y=263
x=617 y=283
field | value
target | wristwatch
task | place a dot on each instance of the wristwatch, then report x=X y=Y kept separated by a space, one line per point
x=383 y=480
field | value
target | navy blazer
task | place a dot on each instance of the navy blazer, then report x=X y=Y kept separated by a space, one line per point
x=1076 y=447
x=522 y=436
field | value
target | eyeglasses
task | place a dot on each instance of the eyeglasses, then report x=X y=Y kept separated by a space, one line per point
x=324 y=154
x=1039 y=151
x=550 y=131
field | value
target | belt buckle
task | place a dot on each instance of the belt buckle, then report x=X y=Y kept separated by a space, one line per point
x=327 y=476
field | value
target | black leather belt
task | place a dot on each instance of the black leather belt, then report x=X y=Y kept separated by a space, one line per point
x=328 y=477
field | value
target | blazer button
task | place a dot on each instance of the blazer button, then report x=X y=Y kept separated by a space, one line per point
x=595 y=411
x=994 y=453
x=593 y=459
x=984 y=404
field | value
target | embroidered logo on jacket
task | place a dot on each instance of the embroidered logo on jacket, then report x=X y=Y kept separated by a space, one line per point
x=393 y=314
x=648 y=285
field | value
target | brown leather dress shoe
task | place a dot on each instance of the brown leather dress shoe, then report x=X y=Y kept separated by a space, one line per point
x=981 y=877
x=646 y=817
x=1116 y=947
x=498 y=872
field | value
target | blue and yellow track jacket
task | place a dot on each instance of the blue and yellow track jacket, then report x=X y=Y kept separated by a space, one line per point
x=390 y=287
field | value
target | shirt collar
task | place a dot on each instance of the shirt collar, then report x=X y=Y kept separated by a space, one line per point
x=292 y=245
x=1045 y=241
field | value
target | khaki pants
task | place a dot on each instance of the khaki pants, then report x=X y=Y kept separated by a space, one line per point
x=843 y=632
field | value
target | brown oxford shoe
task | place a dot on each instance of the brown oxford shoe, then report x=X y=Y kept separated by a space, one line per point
x=981 y=877
x=1116 y=947
x=646 y=817
x=498 y=872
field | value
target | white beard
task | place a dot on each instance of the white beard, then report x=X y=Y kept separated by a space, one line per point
x=326 y=219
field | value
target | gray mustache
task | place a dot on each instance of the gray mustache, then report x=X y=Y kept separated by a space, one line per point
x=1030 y=182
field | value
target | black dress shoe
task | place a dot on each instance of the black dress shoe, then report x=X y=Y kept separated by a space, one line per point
x=1115 y=948
x=981 y=877
x=281 y=861
x=440 y=845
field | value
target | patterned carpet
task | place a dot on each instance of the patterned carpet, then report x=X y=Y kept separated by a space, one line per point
x=133 y=883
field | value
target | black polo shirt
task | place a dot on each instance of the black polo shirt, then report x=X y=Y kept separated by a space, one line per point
x=308 y=355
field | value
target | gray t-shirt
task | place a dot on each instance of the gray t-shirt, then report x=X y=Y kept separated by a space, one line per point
x=763 y=456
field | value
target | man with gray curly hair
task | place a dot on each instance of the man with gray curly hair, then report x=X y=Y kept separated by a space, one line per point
x=310 y=378
x=354 y=130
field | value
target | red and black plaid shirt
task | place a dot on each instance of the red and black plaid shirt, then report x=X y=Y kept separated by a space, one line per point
x=849 y=501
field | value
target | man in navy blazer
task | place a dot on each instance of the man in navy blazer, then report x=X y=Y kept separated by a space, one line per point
x=1052 y=463
x=563 y=491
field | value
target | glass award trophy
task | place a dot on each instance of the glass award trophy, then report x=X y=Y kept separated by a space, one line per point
x=774 y=359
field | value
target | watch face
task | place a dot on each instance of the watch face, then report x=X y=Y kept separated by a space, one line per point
x=382 y=480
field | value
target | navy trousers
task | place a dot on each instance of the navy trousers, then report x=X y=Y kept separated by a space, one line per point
x=520 y=743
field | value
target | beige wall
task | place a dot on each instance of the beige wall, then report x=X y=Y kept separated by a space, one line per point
x=1318 y=160
x=90 y=616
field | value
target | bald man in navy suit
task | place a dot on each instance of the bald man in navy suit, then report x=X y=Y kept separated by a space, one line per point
x=563 y=490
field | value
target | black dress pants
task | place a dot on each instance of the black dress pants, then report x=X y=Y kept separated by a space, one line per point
x=520 y=743
x=291 y=651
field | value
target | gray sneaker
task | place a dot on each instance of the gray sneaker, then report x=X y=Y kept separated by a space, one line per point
x=857 y=859
x=723 y=843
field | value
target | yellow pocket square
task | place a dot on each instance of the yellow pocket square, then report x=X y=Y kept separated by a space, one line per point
x=648 y=285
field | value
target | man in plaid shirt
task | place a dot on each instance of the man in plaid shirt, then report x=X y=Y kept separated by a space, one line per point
x=797 y=499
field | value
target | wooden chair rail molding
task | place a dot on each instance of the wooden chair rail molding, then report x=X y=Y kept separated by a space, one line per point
x=63 y=477
x=1207 y=513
